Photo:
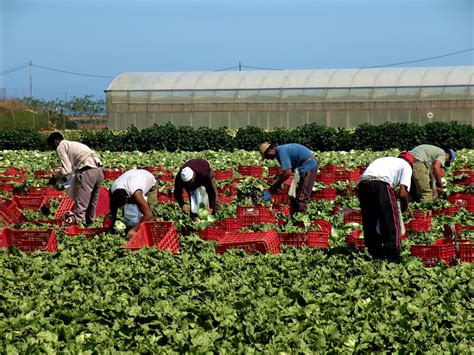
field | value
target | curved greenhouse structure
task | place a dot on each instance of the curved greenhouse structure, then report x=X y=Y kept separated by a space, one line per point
x=291 y=98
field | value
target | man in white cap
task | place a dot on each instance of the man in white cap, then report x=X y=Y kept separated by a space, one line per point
x=198 y=179
x=428 y=171
x=135 y=191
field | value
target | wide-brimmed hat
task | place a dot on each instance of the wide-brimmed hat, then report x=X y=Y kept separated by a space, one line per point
x=263 y=148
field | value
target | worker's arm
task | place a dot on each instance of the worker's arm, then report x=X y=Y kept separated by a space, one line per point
x=178 y=194
x=403 y=195
x=438 y=173
x=144 y=208
x=66 y=167
x=280 y=179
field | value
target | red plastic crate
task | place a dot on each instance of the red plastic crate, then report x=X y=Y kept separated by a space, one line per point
x=325 y=178
x=352 y=215
x=226 y=200
x=29 y=240
x=347 y=175
x=167 y=178
x=431 y=254
x=12 y=171
x=43 y=174
x=250 y=170
x=161 y=235
x=324 y=225
x=460 y=228
x=421 y=221
x=331 y=168
x=224 y=174
x=463 y=200
x=326 y=193
x=285 y=209
x=315 y=239
x=103 y=204
x=466 y=252
x=46 y=191
x=280 y=197
x=353 y=238
x=261 y=242
x=212 y=233
x=255 y=215
x=230 y=224
x=88 y=232
x=65 y=205
x=10 y=213
x=30 y=202
x=274 y=170
x=448 y=211
x=112 y=174
x=6 y=187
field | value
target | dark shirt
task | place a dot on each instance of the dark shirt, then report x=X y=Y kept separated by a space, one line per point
x=202 y=177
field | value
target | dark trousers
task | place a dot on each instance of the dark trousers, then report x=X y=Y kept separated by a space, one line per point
x=303 y=192
x=378 y=204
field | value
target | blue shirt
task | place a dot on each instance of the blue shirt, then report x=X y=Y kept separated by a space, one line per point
x=294 y=155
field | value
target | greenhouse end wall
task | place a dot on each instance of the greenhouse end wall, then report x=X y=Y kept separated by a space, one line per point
x=290 y=108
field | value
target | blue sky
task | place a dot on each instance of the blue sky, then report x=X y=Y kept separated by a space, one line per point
x=108 y=37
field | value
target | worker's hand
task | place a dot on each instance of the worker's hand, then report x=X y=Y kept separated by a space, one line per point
x=131 y=233
x=185 y=209
x=439 y=184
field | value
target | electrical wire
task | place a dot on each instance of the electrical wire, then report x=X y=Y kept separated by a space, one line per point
x=72 y=73
x=419 y=60
x=12 y=70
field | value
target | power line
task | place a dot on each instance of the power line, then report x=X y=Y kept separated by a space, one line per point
x=259 y=68
x=18 y=67
x=420 y=60
x=73 y=73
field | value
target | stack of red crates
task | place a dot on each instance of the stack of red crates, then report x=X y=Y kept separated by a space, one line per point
x=466 y=180
x=252 y=243
x=29 y=240
x=161 y=235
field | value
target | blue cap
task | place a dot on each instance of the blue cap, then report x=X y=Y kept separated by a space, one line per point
x=453 y=157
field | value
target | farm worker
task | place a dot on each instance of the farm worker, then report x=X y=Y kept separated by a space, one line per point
x=381 y=217
x=297 y=160
x=135 y=191
x=198 y=179
x=83 y=171
x=428 y=170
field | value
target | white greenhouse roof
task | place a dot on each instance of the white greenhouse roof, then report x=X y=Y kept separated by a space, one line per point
x=293 y=79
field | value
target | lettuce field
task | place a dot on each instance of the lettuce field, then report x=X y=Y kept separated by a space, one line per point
x=90 y=294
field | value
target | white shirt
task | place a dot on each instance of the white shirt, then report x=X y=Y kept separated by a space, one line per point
x=133 y=180
x=394 y=171
x=75 y=155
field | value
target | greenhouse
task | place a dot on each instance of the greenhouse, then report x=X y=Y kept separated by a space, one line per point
x=290 y=98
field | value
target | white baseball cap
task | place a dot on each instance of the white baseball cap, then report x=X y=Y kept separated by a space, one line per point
x=187 y=174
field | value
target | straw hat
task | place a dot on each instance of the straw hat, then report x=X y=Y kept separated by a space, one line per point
x=263 y=148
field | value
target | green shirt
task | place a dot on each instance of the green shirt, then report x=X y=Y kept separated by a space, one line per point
x=428 y=154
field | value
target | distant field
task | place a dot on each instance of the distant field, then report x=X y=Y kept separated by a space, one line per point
x=13 y=115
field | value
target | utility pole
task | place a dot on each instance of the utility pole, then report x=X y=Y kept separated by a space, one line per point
x=240 y=66
x=31 y=80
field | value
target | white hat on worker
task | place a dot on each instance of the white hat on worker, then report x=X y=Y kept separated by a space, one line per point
x=187 y=174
